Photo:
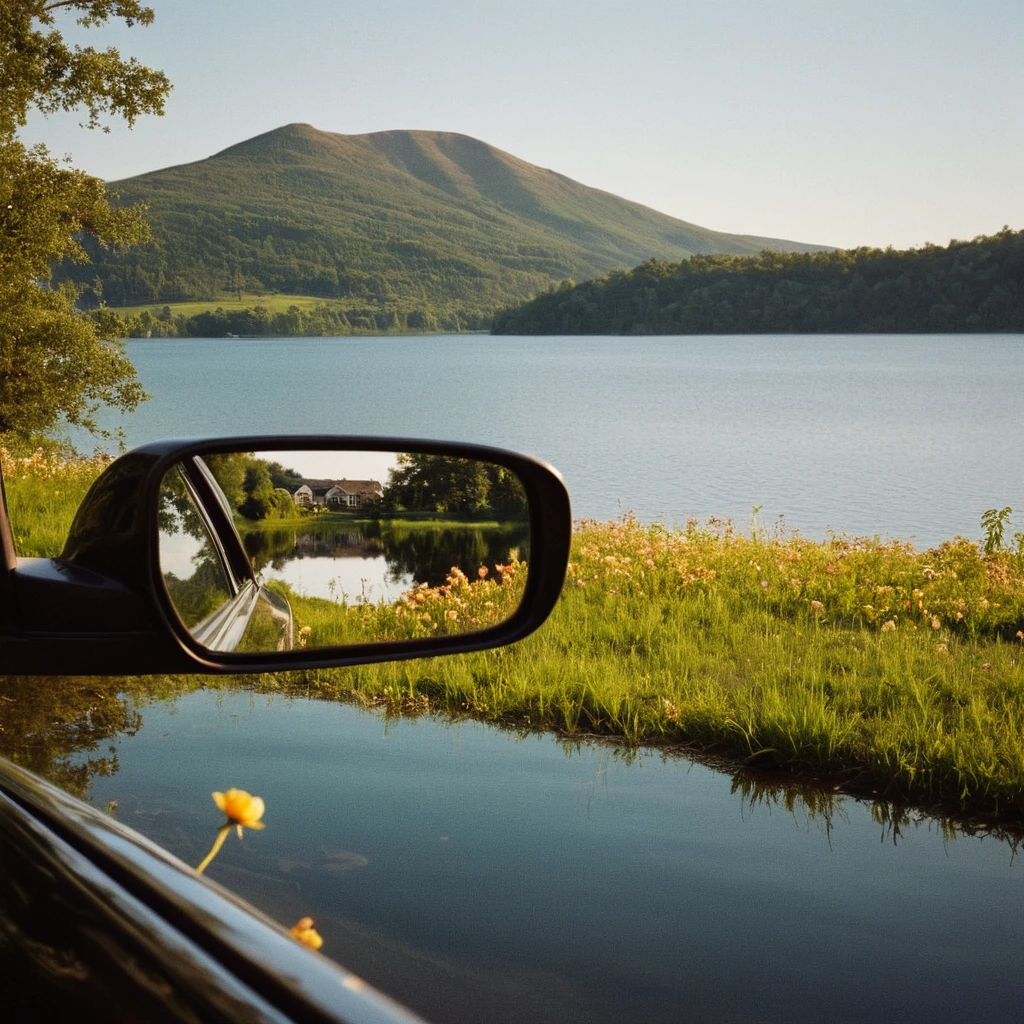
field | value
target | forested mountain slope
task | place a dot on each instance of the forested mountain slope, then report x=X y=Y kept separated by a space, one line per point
x=965 y=286
x=407 y=219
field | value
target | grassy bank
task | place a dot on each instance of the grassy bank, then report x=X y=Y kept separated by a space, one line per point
x=886 y=669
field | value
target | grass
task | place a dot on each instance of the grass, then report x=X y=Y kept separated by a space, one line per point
x=885 y=669
x=273 y=303
x=44 y=490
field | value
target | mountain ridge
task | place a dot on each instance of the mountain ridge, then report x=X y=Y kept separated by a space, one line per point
x=398 y=218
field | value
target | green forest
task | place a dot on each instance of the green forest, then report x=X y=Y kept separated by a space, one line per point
x=965 y=286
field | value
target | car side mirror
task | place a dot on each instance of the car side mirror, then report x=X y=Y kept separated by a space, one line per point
x=270 y=553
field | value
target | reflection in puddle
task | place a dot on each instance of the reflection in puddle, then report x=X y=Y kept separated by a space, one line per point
x=460 y=866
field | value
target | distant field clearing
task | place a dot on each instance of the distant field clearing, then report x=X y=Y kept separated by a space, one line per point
x=272 y=303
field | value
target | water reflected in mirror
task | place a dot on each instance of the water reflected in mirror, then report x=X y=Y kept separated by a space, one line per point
x=358 y=546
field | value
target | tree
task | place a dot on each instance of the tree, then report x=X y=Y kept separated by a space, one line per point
x=437 y=483
x=55 y=361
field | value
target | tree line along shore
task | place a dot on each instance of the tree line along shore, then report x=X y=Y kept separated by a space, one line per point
x=963 y=287
x=975 y=286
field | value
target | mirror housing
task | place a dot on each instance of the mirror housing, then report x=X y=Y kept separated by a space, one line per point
x=102 y=607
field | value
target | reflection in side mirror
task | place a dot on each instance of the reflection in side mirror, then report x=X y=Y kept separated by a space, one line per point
x=263 y=550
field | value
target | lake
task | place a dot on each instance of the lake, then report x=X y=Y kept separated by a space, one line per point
x=907 y=436
x=486 y=875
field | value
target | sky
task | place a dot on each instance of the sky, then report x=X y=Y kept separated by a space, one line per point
x=839 y=122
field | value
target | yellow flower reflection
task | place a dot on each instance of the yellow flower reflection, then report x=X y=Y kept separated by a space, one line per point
x=242 y=809
x=304 y=931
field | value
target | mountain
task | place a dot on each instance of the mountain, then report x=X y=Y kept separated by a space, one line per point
x=396 y=219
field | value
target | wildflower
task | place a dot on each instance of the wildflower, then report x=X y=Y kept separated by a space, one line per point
x=482 y=571
x=941 y=648
x=889 y=627
x=451 y=614
x=987 y=664
x=816 y=606
x=935 y=623
x=242 y=809
x=304 y=932
x=764 y=584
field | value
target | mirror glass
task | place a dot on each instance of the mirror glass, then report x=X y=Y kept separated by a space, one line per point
x=266 y=550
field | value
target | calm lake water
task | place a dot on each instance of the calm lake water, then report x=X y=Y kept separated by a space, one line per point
x=910 y=436
x=483 y=876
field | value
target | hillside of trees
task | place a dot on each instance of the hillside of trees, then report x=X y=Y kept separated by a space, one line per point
x=965 y=286
x=425 y=225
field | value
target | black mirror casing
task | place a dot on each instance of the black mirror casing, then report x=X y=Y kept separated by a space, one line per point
x=100 y=608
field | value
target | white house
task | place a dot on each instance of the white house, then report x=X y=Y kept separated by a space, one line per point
x=337 y=494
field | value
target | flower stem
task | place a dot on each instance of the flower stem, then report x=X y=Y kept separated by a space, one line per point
x=222 y=834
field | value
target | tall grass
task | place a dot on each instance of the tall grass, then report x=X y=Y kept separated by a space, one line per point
x=888 y=669
x=44 y=490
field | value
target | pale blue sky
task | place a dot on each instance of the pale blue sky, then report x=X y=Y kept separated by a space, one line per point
x=845 y=122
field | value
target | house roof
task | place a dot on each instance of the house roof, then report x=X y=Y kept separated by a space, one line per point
x=360 y=486
x=321 y=487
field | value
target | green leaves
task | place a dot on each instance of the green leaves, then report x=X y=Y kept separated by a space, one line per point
x=993 y=522
x=38 y=69
x=55 y=362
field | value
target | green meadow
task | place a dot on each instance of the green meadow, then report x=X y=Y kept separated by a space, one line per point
x=862 y=662
x=226 y=300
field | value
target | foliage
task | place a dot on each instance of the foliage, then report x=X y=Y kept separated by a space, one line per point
x=967 y=286
x=250 y=485
x=55 y=362
x=993 y=522
x=440 y=483
x=394 y=231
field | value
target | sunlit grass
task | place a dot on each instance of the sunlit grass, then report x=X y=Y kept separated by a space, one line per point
x=44 y=491
x=892 y=670
x=274 y=303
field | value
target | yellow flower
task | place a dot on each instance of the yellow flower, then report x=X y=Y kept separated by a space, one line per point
x=304 y=931
x=241 y=808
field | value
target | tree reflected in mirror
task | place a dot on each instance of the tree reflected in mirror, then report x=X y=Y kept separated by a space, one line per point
x=359 y=546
